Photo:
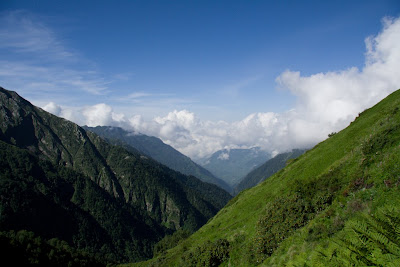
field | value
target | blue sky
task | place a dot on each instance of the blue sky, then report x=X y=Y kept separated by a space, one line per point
x=214 y=60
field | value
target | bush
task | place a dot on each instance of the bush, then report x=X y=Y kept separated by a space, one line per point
x=373 y=240
x=208 y=254
x=170 y=241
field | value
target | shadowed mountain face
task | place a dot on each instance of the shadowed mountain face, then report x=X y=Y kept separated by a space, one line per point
x=161 y=152
x=232 y=165
x=61 y=181
x=270 y=167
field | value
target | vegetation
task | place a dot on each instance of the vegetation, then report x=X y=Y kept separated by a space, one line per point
x=156 y=149
x=270 y=167
x=371 y=240
x=170 y=241
x=57 y=202
x=23 y=248
x=67 y=196
x=335 y=204
x=59 y=181
x=208 y=254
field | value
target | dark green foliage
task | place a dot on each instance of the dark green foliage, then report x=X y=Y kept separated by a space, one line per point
x=286 y=214
x=54 y=201
x=372 y=240
x=270 y=167
x=282 y=217
x=23 y=248
x=208 y=254
x=59 y=181
x=331 y=134
x=161 y=152
x=170 y=241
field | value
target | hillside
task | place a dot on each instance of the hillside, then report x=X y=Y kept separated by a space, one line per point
x=114 y=202
x=232 y=165
x=158 y=150
x=337 y=204
x=270 y=167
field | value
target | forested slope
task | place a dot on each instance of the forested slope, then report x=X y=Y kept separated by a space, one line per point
x=114 y=202
x=158 y=150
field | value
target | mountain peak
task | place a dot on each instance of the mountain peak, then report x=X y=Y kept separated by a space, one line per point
x=56 y=155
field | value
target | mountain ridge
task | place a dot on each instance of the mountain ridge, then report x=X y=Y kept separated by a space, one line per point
x=267 y=169
x=343 y=185
x=232 y=165
x=158 y=150
x=163 y=200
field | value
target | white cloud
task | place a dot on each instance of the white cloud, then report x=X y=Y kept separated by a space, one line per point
x=326 y=102
x=330 y=100
x=53 y=108
x=102 y=114
x=223 y=156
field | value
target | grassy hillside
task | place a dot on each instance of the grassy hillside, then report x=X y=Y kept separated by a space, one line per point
x=270 y=167
x=344 y=184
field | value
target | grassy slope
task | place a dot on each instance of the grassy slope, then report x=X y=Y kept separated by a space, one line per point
x=270 y=167
x=367 y=151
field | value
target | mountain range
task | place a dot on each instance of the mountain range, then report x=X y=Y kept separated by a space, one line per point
x=60 y=182
x=232 y=165
x=267 y=169
x=159 y=151
x=71 y=197
x=335 y=205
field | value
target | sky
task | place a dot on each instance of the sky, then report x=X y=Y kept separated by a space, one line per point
x=204 y=75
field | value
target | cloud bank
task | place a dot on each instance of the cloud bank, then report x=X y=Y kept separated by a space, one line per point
x=326 y=102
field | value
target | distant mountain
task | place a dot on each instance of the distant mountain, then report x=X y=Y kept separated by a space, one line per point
x=59 y=181
x=270 y=167
x=158 y=150
x=338 y=204
x=231 y=165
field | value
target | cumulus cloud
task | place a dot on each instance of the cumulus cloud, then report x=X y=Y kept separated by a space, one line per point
x=326 y=102
x=330 y=100
x=102 y=114
x=53 y=108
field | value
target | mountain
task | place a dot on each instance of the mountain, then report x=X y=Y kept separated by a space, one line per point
x=270 y=167
x=158 y=150
x=59 y=181
x=231 y=165
x=338 y=204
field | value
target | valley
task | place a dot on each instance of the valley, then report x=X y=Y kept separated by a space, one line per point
x=200 y=133
x=304 y=213
x=61 y=183
x=95 y=196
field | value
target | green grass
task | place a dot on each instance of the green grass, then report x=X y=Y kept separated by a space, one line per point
x=356 y=171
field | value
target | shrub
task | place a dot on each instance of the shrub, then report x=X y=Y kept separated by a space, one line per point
x=208 y=254
x=372 y=240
